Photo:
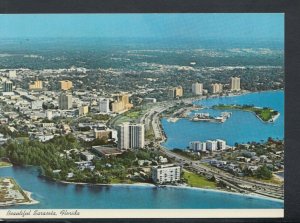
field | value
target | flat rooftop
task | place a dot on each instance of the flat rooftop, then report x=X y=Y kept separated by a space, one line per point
x=106 y=150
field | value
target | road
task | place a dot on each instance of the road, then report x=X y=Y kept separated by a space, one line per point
x=151 y=119
x=258 y=187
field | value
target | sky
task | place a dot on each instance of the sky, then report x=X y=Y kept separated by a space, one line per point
x=264 y=26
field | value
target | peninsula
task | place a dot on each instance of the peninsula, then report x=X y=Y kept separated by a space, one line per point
x=265 y=114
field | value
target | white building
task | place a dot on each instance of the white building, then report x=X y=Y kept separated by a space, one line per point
x=150 y=100
x=7 y=86
x=211 y=145
x=104 y=105
x=197 y=88
x=49 y=115
x=131 y=136
x=12 y=74
x=65 y=101
x=165 y=173
x=235 y=84
x=37 y=105
x=221 y=144
x=198 y=146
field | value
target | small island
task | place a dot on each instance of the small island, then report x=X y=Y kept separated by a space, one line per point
x=265 y=114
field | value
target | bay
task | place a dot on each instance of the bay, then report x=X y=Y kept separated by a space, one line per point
x=241 y=127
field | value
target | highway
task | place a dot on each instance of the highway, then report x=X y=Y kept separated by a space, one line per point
x=266 y=189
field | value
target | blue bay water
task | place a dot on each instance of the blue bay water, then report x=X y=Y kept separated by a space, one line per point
x=69 y=196
x=241 y=127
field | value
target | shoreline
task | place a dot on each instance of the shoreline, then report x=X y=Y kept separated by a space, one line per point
x=251 y=195
x=149 y=185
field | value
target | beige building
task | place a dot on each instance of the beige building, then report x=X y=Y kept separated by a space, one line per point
x=175 y=92
x=99 y=134
x=121 y=103
x=235 y=84
x=83 y=110
x=36 y=85
x=66 y=85
x=216 y=88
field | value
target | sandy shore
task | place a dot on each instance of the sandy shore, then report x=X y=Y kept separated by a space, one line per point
x=114 y=184
x=32 y=201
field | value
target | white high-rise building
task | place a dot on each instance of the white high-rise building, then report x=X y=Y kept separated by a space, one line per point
x=104 y=105
x=131 y=136
x=197 y=88
x=7 y=86
x=165 y=173
x=221 y=144
x=65 y=101
x=198 y=146
x=211 y=145
x=235 y=84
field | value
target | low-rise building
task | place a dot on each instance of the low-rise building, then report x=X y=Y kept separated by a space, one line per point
x=106 y=151
x=87 y=155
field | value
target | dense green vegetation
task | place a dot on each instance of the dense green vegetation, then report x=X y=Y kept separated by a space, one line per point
x=46 y=155
x=195 y=180
x=265 y=114
x=187 y=154
x=52 y=155
x=263 y=173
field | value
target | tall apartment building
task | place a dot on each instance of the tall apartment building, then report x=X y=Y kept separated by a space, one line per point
x=216 y=88
x=104 y=105
x=65 y=101
x=197 y=88
x=7 y=86
x=175 y=92
x=121 y=103
x=198 y=146
x=166 y=173
x=131 y=136
x=66 y=85
x=235 y=84
x=36 y=85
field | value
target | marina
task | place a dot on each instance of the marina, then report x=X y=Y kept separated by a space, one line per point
x=206 y=117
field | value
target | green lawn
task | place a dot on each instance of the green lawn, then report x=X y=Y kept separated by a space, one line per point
x=196 y=180
x=5 y=164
